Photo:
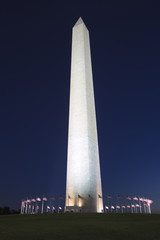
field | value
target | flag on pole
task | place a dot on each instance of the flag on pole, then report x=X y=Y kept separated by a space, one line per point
x=119 y=197
x=135 y=198
x=52 y=198
x=128 y=206
x=118 y=207
x=33 y=200
x=127 y=197
x=123 y=207
x=44 y=199
x=38 y=199
x=112 y=207
x=141 y=199
x=133 y=205
x=137 y=205
x=107 y=207
x=48 y=207
x=150 y=201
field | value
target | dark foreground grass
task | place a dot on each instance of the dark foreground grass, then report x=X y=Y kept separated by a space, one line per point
x=80 y=226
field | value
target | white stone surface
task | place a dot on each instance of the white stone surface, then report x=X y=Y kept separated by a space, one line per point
x=83 y=188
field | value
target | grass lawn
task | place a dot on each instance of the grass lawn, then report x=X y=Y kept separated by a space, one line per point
x=80 y=226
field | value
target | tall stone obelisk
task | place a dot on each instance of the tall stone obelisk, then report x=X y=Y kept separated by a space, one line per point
x=83 y=188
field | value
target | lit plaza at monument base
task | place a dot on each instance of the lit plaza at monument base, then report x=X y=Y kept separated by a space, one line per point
x=83 y=187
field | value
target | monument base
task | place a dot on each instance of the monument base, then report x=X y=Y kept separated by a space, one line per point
x=73 y=209
x=77 y=209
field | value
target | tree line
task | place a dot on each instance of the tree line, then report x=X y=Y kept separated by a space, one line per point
x=6 y=210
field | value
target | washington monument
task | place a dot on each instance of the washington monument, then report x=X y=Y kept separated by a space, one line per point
x=83 y=187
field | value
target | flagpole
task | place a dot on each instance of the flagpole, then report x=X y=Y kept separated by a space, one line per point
x=21 y=206
x=29 y=210
x=26 y=206
x=42 y=205
x=149 y=208
x=144 y=206
x=32 y=207
x=135 y=207
x=140 y=206
x=131 y=208
x=36 y=205
x=107 y=200
x=50 y=205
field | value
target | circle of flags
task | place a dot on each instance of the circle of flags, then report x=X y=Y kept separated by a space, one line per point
x=40 y=205
x=121 y=205
x=128 y=205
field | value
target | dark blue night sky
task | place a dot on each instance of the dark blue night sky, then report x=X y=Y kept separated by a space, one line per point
x=35 y=55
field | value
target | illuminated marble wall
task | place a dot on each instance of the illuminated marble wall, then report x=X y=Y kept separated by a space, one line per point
x=83 y=187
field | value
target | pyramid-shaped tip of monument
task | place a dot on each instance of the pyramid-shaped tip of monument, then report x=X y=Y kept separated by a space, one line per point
x=80 y=21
